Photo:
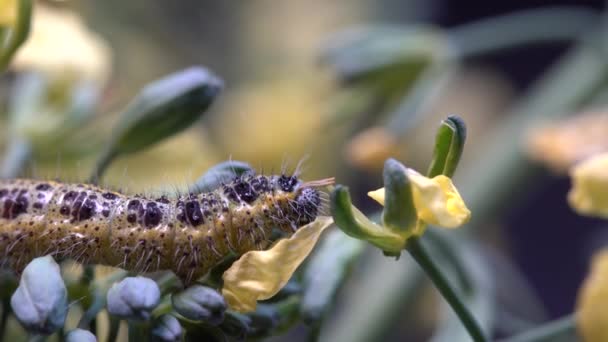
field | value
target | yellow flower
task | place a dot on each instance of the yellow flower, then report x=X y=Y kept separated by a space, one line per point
x=61 y=47
x=369 y=149
x=8 y=12
x=589 y=193
x=562 y=144
x=436 y=201
x=259 y=275
x=592 y=316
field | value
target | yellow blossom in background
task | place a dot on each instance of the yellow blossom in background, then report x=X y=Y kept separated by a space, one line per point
x=259 y=275
x=436 y=201
x=62 y=47
x=589 y=193
x=592 y=316
x=8 y=12
x=561 y=145
x=271 y=121
x=370 y=148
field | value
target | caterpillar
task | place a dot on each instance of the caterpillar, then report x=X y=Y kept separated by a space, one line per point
x=188 y=234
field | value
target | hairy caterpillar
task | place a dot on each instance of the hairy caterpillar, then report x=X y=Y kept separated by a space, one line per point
x=188 y=235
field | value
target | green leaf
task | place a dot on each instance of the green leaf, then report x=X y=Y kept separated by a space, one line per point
x=378 y=52
x=399 y=212
x=162 y=109
x=326 y=271
x=449 y=144
x=222 y=172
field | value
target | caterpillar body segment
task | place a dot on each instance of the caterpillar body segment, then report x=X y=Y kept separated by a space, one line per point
x=187 y=235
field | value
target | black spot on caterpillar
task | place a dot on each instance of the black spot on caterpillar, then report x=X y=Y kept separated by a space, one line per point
x=187 y=235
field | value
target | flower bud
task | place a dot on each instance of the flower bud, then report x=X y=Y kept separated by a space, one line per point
x=449 y=145
x=162 y=109
x=166 y=329
x=80 y=335
x=236 y=325
x=200 y=303
x=219 y=173
x=40 y=301
x=133 y=298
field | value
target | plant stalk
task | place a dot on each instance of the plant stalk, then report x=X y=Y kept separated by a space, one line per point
x=547 y=332
x=422 y=257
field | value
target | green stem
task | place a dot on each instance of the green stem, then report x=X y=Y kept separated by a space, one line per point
x=114 y=328
x=16 y=158
x=419 y=253
x=6 y=306
x=101 y=166
x=18 y=34
x=547 y=332
x=99 y=292
x=138 y=331
x=163 y=308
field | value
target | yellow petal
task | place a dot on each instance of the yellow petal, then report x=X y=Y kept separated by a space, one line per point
x=8 y=12
x=377 y=195
x=592 y=316
x=589 y=193
x=259 y=275
x=436 y=200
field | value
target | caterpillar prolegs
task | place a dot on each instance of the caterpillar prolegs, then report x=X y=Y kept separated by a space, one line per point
x=188 y=235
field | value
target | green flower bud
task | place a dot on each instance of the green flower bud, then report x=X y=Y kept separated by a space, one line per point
x=263 y=320
x=399 y=211
x=236 y=325
x=133 y=298
x=200 y=303
x=166 y=329
x=80 y=335
x=40 y=301
x=162 y=109
x=219 y=173
x=449 y=145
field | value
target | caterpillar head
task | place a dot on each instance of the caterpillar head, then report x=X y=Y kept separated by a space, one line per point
x=285 y=201
x=307 y=200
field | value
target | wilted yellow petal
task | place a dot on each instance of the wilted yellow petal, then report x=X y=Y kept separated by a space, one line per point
x=592 y=316
x=8 y=12
x=589 y=193
x=436 y=200
x=259 y=275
